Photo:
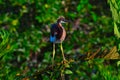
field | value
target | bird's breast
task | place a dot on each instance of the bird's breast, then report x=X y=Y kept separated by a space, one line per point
x=63 y=34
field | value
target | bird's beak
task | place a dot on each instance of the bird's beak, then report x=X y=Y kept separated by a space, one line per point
x=67 y=21
x=63 y=21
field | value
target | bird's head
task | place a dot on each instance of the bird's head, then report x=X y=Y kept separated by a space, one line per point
x=61 y=20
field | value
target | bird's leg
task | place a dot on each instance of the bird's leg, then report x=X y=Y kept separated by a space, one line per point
x=62 y=51
x=53 y=54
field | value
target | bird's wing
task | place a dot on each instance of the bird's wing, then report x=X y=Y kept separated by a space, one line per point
x=54 y=29
x=53 y=33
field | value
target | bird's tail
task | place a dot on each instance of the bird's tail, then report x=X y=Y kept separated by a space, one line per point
x=52 y=39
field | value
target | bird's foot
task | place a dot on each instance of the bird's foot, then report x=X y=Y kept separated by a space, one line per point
x=64 y=61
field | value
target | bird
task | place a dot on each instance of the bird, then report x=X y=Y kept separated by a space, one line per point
x=57 y=35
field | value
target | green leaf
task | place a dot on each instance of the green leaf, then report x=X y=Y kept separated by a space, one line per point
x=114 y=6
x=68 y=71
x=118 y=63
x=116 y=32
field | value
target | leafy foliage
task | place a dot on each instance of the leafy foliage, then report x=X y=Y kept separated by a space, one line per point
x=25 y=50
x=6 y=47
x=114 y=5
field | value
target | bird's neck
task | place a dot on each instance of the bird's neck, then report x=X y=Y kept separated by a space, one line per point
x=59 y=24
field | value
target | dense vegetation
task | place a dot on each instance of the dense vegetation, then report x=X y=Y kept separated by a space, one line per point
x=91 y=48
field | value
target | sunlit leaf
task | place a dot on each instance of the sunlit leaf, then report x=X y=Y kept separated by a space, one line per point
x=114 y=6
x=113 y=54
x=118 y=63
x=15 y=22
x=68 y=71
x=116 y=32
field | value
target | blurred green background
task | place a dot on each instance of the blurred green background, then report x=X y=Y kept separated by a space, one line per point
x=25 y=50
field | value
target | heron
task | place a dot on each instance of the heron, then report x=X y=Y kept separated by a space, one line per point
x=57 y=35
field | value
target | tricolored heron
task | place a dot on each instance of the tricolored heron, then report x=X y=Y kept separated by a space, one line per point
x=58 y=35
